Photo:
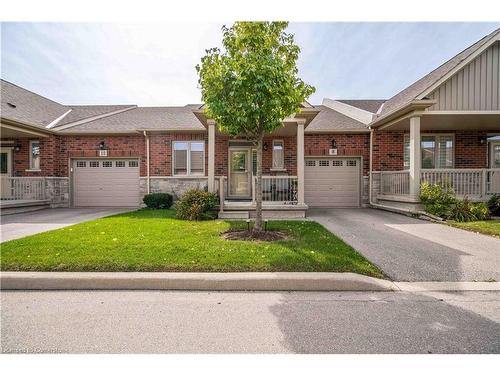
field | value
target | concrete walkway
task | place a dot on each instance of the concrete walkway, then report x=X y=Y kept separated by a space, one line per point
x=29 y=223
x=408 y=249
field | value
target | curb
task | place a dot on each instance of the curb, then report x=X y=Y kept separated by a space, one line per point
x=448 y=286
x=255 y=281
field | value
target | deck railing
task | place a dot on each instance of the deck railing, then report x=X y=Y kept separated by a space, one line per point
x=477 y=184
x=281 y=189
x=465 y=182
x=22 y=188
x=395 y=182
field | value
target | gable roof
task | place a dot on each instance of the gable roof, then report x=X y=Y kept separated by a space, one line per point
x=24 y=106
x=81 y=112
x=415 y=90
x=141 y=118
x=370 y=105
x=329 y=120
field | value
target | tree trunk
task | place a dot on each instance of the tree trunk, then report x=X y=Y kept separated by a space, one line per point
x=258 y=187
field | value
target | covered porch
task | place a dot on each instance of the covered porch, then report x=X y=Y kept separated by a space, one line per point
x=21 y=194
x=457 y=148
x=232 y=164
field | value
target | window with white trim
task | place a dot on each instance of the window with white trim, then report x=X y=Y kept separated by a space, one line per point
x=278 y=154
x=34 y=155
x=188 y=158
x=437 y=151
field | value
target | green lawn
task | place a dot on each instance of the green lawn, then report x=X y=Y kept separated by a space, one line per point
x=148 y=240
x=490 y=227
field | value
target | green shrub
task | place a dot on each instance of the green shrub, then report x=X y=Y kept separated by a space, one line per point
x=158 y=200
x=464 y=210
x=196 y=205
x=437 y=199
x=494 y=205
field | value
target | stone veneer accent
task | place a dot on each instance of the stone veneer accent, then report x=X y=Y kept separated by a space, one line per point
x=176 y=186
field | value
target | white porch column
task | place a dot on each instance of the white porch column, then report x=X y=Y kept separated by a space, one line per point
x=211 y=155
x=300 y=161
x=415 y=156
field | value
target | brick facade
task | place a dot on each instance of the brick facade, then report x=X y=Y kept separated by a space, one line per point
x=290 y=148
x=471 y=149
x=347 y=144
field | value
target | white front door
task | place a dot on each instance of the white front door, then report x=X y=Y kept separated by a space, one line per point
x=5 y=171
x=240 y=173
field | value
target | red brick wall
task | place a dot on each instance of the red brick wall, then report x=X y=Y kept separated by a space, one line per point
x=88 y=146
x=469 y=151
x=347 y=144
x=48 y=159
x=388 y=150
x=290 y=143
x=161 y=151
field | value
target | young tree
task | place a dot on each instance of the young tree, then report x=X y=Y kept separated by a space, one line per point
x=251 y=86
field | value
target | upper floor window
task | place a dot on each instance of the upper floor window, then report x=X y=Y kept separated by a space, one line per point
x=35 y=155
x=437 y=151
x=278 y=154
x=189 y=158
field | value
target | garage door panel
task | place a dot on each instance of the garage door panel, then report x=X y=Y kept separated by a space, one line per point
x=116 y=184
x=332 y=182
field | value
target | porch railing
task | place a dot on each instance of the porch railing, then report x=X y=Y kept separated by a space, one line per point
x=395 y=182
x=281 y=189
x=473 y=183
x=465 y=182
x=22 y=188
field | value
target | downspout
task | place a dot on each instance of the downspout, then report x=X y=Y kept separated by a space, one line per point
x=370 y=176
x=147 y=162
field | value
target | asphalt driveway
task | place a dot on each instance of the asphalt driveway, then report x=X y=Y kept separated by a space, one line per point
x=25 y=224
x=408 y=249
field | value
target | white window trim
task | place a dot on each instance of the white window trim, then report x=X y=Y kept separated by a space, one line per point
x=436 y=154
x=31 y=169
x=188 y=171
x=272 y=161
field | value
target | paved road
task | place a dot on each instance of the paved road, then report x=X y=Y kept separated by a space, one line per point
x=252 y=322
x=25 y=224
x=408 y=249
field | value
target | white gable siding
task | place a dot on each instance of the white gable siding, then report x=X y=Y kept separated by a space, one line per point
x=476 y=87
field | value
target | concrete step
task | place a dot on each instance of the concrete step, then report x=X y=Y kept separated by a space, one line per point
x=11 y=210
x=234 y=215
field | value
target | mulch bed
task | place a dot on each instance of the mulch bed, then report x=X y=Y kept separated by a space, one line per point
x=245 y=235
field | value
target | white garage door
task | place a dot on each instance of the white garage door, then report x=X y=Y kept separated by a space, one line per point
x=332 y=182
x=106 y=183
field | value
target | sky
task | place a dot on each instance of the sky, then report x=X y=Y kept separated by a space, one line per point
x=154 y=64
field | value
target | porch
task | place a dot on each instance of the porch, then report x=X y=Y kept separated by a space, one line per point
x=22 y=194
x=459 y=149
x=280 y=198
x=475 y=184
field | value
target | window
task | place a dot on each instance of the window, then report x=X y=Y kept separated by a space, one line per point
x=436 y=151
x=120 y=163
x=278 y=154
x=254 y=162
x=107 y=164
x=34 y=155
x=337 y=163
x=351 y=163
x=81 y=164
x=324 y=163
x=133 y=164
x=310 y=163
x=94 y=164
x=189 y=158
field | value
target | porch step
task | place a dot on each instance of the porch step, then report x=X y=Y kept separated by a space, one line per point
x=12 y=207
x=234 y=215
